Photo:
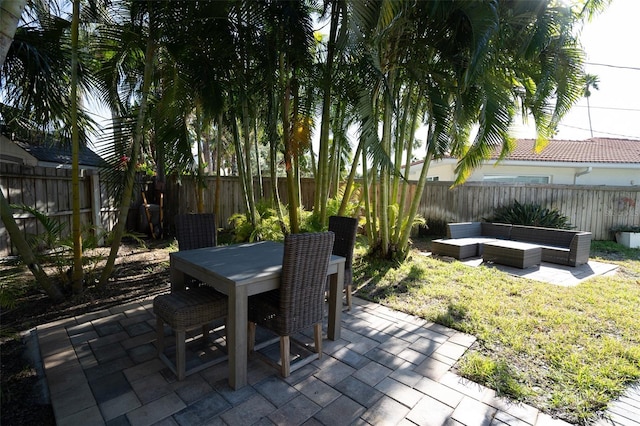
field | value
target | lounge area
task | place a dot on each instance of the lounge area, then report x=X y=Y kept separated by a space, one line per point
x=514 y=245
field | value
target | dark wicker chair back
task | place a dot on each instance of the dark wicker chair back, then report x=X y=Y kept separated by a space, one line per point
x=302 y=283
x=299 y=302
x=346 y=230
x=195 y=231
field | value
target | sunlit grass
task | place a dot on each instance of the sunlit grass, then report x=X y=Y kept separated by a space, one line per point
x=566 y=350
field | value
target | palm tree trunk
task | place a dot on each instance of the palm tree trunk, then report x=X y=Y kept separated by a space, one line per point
x=246 y=135
x=399 y=147
x=285 y=83
x=78 y=274
x=403 y=244
x=322 y=176
x=10 y=12
x=216 y=202
x=200 y=173
x=118 y=231
x=384 y=176
x=366 y=188
x=25 y=252
x=589 y=115
x=259 y=169
x=407 y=168
x=348 y=189
x=240 y=162
x=273 y=154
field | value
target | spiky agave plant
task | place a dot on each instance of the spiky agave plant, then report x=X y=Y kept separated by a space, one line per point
x=530 y=214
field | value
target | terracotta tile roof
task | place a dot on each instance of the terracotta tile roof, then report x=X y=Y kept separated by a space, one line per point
x=595 y=150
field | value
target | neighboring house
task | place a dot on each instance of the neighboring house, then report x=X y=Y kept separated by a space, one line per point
x=596 y=161
x=18 y=152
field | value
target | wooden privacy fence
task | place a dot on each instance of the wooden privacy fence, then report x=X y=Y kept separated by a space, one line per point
x=181 y=196
x=49 y=191
x=594 y=209
x=589 y=208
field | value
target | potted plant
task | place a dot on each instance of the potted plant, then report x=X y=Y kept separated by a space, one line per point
x=627 y=235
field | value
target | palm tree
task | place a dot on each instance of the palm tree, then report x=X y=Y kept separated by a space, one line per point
x=590 y=81
x=36 y=74
x=10 y=12
x=77 y=274
x=336 y=43
x=471 y=62
x=135 y=118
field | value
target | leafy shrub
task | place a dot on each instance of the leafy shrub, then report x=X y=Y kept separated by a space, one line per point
x=625 y=228
x=310 y=221
x=437 y=227
x=268 y=226
x=531 y=215
x=53 y=246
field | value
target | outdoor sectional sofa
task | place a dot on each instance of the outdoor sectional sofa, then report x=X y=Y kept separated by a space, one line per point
x=561 y=246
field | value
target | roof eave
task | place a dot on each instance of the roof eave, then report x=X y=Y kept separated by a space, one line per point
x=601 y=165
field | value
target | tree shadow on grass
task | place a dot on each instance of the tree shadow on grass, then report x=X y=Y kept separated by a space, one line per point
x=453 y=317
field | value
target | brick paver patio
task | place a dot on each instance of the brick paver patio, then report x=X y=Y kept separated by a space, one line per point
x=388 y=368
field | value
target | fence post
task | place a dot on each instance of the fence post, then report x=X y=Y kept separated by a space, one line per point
x=96 y=204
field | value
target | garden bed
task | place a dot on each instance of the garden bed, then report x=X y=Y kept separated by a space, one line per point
x=140 y=272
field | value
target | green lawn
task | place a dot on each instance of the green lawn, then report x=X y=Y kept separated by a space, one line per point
x=566 y=351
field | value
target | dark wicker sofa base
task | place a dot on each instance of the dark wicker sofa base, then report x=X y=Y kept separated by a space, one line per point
x=561 y=246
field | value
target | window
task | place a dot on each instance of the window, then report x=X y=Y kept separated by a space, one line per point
x=516 y=179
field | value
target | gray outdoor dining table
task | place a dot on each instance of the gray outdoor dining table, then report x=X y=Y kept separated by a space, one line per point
x=242 y=270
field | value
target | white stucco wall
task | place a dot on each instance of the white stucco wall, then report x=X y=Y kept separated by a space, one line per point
x=12 y=153
x=603 y=174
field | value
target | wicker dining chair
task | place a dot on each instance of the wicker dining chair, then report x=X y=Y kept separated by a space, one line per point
x=299 y=302
x=185 y=311
x=346 y=230
x=194 y=231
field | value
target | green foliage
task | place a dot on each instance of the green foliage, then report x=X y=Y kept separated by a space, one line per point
x=11 y=289
x=310 y=221
x=625 y=228
x=436 y=227
x=53 y=247
x=241 y=227
x=53 y=230
x=531 y=215
x=495 y=373
x=268 y=226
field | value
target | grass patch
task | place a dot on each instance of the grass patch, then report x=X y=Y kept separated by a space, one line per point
x=567 y=351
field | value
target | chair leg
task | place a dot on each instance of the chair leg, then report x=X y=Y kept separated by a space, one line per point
x=205 y=334
x=349 y=289
x=180 y=354
x=285 y=356
x=159 y=335
x=317 y=336
x=251 y=336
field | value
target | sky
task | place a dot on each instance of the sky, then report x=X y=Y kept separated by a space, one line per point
x=612 y=45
